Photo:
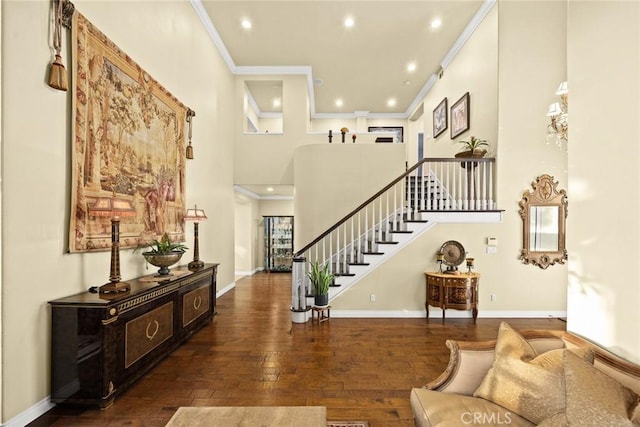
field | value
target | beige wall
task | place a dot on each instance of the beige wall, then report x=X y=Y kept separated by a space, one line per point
x=529 y=65
x=36 y=150
x=603 y=49
x=473 y=70
x=246 y=220
x=333 y=179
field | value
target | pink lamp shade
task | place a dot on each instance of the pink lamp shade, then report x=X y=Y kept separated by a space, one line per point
x=195 y=214
x=115 y=208
x=112 y=206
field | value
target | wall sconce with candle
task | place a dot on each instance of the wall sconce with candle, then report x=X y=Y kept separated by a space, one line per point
x=558 y=129
x=196 y=215
x=115 y=208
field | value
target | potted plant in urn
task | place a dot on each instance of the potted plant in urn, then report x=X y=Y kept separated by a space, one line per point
x=321 y=278
x=163 y=253
x=471 y=148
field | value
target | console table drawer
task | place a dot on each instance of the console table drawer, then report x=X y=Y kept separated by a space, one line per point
x=457 y=291
x=148 y=331
x=195 y=304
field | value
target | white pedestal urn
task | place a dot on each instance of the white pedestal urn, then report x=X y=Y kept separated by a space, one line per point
x=300 y=309
x=301 y=315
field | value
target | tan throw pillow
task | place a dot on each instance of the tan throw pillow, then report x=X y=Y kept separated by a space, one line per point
x=520 y=380
x=594 y=398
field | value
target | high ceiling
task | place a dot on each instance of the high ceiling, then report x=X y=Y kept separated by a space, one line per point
x=365 y=65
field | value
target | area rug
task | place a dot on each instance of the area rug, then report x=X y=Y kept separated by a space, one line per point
x=251 y=416
x=347 y=424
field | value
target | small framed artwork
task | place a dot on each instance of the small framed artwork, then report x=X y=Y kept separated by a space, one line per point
x=398 y=130
x=440 y=118
x=460 y=116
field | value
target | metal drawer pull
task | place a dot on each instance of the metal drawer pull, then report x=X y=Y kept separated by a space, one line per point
x=197 y=302
x=150 y=336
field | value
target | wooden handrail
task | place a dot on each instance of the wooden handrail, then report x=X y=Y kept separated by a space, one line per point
x=382 y=191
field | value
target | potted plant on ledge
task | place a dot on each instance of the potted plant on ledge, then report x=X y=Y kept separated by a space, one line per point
x=321 y=278
x=163 y=253
x=471 y=148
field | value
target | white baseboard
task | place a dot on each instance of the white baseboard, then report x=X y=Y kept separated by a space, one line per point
x=30 y=414
x=248 y=273
x=224 y=290
x=437 y=313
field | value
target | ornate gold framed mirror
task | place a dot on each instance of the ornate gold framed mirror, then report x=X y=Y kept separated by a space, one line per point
x=543 y=212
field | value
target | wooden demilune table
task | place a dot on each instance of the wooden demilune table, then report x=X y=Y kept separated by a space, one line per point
x=457 y=291
x=102 y=343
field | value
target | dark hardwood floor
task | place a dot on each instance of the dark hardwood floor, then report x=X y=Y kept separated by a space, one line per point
x=253 y=355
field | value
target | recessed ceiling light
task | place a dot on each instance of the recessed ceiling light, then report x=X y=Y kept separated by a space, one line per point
x=436 y=23
x=349 y=22
x=411 y=67
x=246 y=24
x=276 y=102
x=270 y=189
x=339 y=102
x=391 y=102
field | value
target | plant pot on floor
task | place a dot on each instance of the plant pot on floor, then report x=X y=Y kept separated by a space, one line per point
x=321 y=300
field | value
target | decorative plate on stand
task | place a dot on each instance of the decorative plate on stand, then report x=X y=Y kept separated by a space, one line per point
x=454 y=255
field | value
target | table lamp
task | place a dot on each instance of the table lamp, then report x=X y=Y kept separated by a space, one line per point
x=115 y=208
x=196 y=215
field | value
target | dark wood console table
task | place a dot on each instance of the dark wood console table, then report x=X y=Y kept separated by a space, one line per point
x=102 y=343
x=457 y=291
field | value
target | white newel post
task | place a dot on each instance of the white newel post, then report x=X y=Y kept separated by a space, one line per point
x=299 y=308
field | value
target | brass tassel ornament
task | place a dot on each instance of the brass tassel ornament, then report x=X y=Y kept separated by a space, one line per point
x=57 y=72
x=190 y=115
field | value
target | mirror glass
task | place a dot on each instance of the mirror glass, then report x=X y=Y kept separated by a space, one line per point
x=543 y=212
x=263 y=106
x=543 y=228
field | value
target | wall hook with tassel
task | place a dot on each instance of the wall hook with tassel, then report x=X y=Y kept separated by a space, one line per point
x=57 y=72
x=190 y=115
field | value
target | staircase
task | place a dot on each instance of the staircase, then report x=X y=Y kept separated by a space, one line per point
x=430 y=192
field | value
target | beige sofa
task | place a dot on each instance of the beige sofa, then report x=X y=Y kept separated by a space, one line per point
x=570 y=391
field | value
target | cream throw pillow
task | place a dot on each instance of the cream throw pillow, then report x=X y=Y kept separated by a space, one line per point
x=594 y=398
x=523 y=382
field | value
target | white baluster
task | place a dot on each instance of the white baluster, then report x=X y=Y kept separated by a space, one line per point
x=491 y=185
x=380 y=219
x=344 y=248
x=428 y=196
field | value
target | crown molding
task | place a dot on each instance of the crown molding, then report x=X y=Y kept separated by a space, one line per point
x=213 y=33
x=486 y=7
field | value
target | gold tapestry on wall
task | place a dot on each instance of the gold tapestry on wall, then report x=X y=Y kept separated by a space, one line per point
x=128 y=134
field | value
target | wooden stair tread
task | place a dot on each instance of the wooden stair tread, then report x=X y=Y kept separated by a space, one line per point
x=372 y=253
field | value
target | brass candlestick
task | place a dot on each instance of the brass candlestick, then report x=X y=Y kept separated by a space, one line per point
x=470 y=264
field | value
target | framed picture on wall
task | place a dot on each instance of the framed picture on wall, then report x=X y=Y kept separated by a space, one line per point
x=460 y=116
x=398 y=130
x=440 y=118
